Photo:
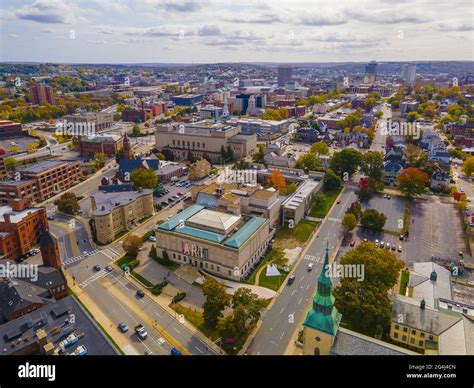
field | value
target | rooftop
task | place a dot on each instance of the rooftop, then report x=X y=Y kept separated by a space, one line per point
x=16 y=217
x=106 y=202
x=206 y=218
x=43 y=166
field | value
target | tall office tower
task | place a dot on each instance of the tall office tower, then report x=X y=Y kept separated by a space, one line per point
x=409 y=73
x=284 y=74
x=370 y=73
x=41 y=94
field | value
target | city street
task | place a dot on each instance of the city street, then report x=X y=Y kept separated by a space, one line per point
x=280 y=322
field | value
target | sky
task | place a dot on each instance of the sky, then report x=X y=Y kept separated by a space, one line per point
x=210 y=31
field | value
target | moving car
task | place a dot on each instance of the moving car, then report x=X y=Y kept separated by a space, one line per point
x=152 y=238
x=291 y=279
x=123 y=327
x=310 y=266
x=97 y=268
x=50 y=217
x=141 y=331
x=109 y=268
x=140 y=293
x=175 y=352
x=352 y=243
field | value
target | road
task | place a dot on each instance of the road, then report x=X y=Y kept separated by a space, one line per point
x=279 y=323
x=116 y=296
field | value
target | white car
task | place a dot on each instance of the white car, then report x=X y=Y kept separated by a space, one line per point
x=310 y=266
x=85 y=253
x=152 y=238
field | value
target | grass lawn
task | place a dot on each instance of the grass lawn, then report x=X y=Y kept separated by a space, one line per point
x=319 y=210
x=195 y=318
x=275 y=256
x=298 y=235
x=404 y=282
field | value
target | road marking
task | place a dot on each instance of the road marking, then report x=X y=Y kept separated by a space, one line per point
x=176 y=330
x=282 y=310
x=199 y=350
x=93 y=278
x=282 y=334
x=300 y=300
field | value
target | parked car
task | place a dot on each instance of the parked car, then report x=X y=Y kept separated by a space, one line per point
x=50 y=217
x=291 y=279
x=401 y=238
x=387 y=245
x=382 y=244
x=399 y=248
x=352 y=243
x=152 y=238
x=394 y=248
x=109 y=268
x=123 y=327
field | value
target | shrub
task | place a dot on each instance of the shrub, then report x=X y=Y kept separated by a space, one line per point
x=179 y=297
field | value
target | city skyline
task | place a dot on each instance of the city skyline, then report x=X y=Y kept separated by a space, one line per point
x=160 y=31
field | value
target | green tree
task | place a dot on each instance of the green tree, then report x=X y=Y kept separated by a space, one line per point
x=349 y=222
x=10 y=164
x=332 y=181
x=372 y=164
x=365 y=305
x=259 y=156
x=372 y=219
x=119 y=155
x=468 y=166
x=136 y=130
x=68 y=204
x=346 y=161
x=144 y=178
x=216 y=301
x=308 y=162
x=320 y=148
x=99 y=160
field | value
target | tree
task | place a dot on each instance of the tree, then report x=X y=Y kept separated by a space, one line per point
x=468 y=166
x=308 y=162
x=365 y=305
x=320 y=148
x=216 y=301
x=412 y=153
x=99 y=160
x=412 y=182
x=372 y=219
x=132 y=244
x=136 y=130
x=277 y=180
x=160 y=156
x=345 y=162
x=119 y=155
x=10 y=164
x=14 y=149
x=32 y=148
x=412 y=116
x=229 y=154
x=259 y=156
x=144 y=178
x=68 y=204
x=349 y=222
x=372 y=164
x=332 y=181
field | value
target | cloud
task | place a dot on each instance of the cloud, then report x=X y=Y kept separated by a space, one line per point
x=181 y=6
x=386 y=17
x=263 y=19
x=46 y=11
x=322 y=20
x=210 y=30
x=98 y=41
x=455 y=27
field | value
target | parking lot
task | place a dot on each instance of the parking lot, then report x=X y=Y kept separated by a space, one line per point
x=393 y=209
x=435 y=230
x=171 y=192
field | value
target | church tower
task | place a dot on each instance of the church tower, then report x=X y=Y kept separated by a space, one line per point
x=322 y=322
x=127 y=148
x=50 y=250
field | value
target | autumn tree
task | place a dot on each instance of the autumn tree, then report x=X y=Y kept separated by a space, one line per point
x=132 y=244
x=99 y=160
x=412 y=182
x=277 y=180
x=365 y=305
x=10 y=164
x=468 y=166
x=216 y=301
x=68 y=204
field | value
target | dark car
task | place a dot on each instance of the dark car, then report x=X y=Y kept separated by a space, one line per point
x=352 y=243
x=97 y=268
x=291 y=279
x=123 y=327
x=140 y=293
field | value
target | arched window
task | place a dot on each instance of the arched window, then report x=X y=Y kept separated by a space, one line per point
x=317 y=352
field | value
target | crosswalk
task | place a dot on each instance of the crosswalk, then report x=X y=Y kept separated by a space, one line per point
x=112 y=254
x=93 y=278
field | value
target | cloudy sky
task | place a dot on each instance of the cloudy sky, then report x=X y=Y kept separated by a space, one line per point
x=208 y=31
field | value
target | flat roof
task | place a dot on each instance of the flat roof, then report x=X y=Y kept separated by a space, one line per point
x=21 y=332
x=107 y=201
x=16 y=217
x=44 y=166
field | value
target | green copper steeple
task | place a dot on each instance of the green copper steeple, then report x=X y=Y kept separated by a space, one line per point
x=324 y=316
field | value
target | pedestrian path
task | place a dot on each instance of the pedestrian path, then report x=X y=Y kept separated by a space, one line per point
x=93 y=278
x=75 y=259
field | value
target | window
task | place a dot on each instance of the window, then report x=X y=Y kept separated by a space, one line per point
x=412 y=340
x=404 y=338
x=413 y=332
x=405 y=330
x=318 y=339
x=395 y=335
x=397 y=327
x=420 y=343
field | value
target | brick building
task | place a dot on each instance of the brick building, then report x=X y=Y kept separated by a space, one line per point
x=107 y=144
x=21 y=228
x=9 y=129
x=41 y=94
x=41 y=181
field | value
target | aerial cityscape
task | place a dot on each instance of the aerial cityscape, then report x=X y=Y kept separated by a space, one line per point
x=187 y=178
